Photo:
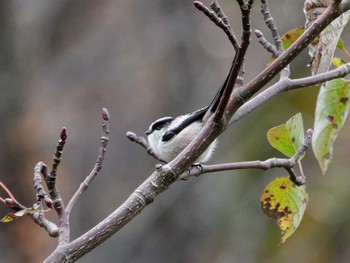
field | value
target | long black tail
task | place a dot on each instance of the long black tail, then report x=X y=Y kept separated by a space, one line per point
x=215 y=102
x=201 y=114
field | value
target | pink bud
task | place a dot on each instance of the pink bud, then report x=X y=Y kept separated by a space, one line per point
x=48 y=202
x=105 y=114
x=63 y=134
x=10 y=202
x=198 y=5
x=258 y=33
x=131 y=136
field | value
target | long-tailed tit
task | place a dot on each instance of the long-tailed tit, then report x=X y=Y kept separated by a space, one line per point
x=168 y=136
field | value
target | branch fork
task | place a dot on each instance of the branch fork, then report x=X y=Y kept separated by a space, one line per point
x=236 y=102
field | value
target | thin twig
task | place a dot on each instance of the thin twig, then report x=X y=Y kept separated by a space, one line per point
x=266 y=44
x=10 y=201
x=159 y=181
x=287 y=163
x=41 y=220
x=220 y=13
x=229 y=32
x=235 y=71
x=143 y=143
x=50 y=180
x=271 y=24
x=98 y=165
x=220 y=22
x=287 y=85
x=38 y=217
x=40 y=169
x=286 y=57
x=8 y=192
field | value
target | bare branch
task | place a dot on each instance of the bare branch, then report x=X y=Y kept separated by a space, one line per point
x=142 y=142
x=286 y=85
x=167 y=174
x=238 y=61
x=239 y=97
x=302 y=149
x=288 y=164
x=40 y=169
x=8 y=192
x=266 y=44
x=144 y=195
x=50 y=227
x=58 y=153
x=98 y=165
x=220 y=13
x=219 y=19
x=38 y=217
x=229 y=32
x=50 y=180
x=286 y=57
x=277 y=48
x=271 y=24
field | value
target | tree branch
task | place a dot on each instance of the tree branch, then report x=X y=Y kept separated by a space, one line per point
x=245 y=8
x=240 y=96
x=98 y=164
x=167 y=174
x=38 y=216
x=287 y=163
x=287 y=85
x=219 y=19
x=266 y=44
x=50 y=180
x=8 y=192
x=143 y=143
x=271 y=24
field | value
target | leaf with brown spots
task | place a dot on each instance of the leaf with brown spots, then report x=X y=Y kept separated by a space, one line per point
x=291 y=36
x=288 y=137
x=332 y=109
x=322 y=49
x=12 y=216
x=285 y=202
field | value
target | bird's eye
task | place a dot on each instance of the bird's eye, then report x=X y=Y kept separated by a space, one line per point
x=168 y=135
x=159 y=127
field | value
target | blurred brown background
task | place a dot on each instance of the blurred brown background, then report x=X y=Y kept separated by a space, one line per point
x=61 y=61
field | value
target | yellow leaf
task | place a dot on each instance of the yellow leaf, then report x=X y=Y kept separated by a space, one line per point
x=8 y=218
x=12 y=216
x=291 y=36
x=285 y=202
x=337 y=61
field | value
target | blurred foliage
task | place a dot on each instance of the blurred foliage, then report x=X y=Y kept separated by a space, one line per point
x=61 y=61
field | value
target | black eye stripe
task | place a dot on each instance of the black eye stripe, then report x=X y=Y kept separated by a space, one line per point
x=159 y=124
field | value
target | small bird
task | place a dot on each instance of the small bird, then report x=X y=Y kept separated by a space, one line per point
x=168 y=136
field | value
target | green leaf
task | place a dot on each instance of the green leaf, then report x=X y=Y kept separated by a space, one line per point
x=340 y=44
x=341 y=47
x=291 y=36
x=285 y=202
x=332 y=109
x=288 y=137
